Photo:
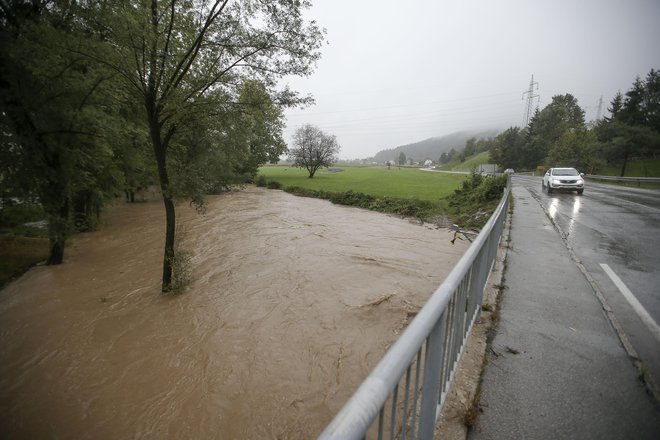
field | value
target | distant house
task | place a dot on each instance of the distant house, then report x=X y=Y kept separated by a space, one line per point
x=428 y=163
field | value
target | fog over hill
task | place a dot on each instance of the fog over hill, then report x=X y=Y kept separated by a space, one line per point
x=432 y=148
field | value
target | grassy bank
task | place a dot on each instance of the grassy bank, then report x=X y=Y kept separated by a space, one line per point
x=466 y=200
x=405 y=183
x=638 y=168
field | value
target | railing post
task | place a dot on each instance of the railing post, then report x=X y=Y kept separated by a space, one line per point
x=431 y=385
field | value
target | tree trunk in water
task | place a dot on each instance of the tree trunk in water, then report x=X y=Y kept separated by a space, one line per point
x=58 y=231
x=56 y=255
x=168 y=258
x=160 y=151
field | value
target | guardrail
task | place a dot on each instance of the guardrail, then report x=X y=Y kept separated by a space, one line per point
x=405 y=392
x=639 y=180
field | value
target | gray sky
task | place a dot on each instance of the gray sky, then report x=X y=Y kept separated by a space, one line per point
x=396 y=72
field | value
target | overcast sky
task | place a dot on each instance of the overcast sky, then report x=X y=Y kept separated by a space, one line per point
x=396 y=72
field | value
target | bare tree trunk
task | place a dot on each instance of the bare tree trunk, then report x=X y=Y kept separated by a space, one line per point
x=160 y=151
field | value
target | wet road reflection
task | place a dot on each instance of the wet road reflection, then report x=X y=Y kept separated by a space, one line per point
x=293 y=302
x=617 y=227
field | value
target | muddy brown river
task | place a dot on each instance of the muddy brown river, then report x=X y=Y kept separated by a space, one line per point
x=292 y=302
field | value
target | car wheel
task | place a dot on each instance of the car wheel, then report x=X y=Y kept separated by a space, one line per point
x=549 y=189
x=580 y=191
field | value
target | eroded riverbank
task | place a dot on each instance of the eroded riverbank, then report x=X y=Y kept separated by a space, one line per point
x=281 y=323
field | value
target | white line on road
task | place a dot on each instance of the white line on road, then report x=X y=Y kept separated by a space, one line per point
x=639 y=308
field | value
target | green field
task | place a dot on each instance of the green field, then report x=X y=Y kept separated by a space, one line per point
x=471 y=163
x=405 y=183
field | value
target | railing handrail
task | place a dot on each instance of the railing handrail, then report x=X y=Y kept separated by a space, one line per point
x=357 y=415
x=625 y=179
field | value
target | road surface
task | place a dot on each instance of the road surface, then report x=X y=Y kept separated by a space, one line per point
x=615 y=233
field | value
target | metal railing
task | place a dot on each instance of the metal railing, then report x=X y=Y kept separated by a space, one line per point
x=638 y=180
x=403 y=396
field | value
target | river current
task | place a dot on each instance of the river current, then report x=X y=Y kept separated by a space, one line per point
x=292 y=302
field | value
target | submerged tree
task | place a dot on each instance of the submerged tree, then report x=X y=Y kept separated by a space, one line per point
x=313 y=149
x=187 y=61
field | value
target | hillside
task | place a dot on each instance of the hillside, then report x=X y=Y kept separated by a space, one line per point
x=432 y=148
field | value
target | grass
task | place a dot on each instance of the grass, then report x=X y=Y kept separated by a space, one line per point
x=403 y=183
x=469 y=164
x=638 y=168
x=468 y=200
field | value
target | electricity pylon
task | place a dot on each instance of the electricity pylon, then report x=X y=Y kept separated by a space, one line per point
x=529 y=108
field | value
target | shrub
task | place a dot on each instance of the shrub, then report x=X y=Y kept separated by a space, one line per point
x=261 y=181
x=472 y=204
x=421 y=209
x=274 y=184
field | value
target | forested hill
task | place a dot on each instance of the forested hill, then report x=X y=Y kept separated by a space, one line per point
x=433 y=147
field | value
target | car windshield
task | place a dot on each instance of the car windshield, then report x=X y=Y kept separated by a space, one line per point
x=565 y=172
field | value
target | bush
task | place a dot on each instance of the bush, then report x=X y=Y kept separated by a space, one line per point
x=261 y=181
x=273 y=184
x=421 y=209
x=472 y=204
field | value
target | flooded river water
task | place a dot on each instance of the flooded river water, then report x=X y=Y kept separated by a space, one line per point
x=292 y=302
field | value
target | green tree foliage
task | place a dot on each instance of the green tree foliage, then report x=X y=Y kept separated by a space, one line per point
x=402 y=158
x=633 y=129
x=508 y=149
x=187 y=62
x=576 y=148
x=261 y=122
x=55 y=108
x=549 y=125
x=313 y=149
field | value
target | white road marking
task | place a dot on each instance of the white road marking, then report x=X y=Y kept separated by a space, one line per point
x=639 y=308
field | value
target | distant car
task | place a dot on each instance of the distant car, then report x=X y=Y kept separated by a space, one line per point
x=509 y=171
x=563 y=179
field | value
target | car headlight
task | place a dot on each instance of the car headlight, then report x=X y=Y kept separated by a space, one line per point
x=556 y=181
x=580 y=181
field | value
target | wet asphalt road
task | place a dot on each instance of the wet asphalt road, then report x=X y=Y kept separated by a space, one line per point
x=615 y=232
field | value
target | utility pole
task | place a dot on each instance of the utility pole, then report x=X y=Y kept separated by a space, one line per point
x=533 y=85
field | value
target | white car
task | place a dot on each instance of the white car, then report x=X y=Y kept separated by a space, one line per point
x=563 y=179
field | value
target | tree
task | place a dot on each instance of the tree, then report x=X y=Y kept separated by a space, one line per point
x=550 y=124
x=507 y=150
x=313 y=149
x=56 y=110
x=577 y=148
x=633 y=128
x=470 y=147
x=402 y=158
x=186 y=62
